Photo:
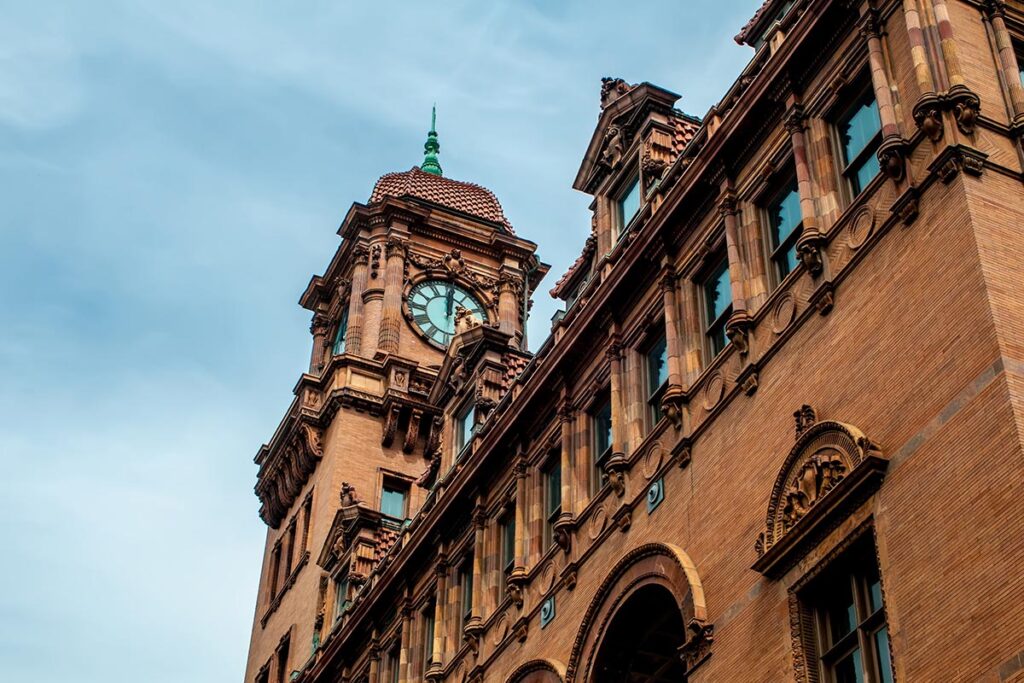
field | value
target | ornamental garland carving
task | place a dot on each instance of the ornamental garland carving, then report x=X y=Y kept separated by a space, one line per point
x=828 y=465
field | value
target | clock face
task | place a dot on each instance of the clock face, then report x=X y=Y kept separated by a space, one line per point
x=433 y=304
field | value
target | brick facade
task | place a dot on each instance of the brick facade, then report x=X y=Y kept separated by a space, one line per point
x=864 y=418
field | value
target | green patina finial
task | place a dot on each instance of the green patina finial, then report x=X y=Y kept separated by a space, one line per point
x=432 y=147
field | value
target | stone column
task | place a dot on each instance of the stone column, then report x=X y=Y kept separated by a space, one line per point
x=434 y=668
x=518 y=576
x=672 y=399
x=564 y=523
x=616 y=464
x=738 y=325
x=354 y=337
x=891 y=153
x=994 y=13
x=319 y=328
x=405 y=653
x=391 y=314
x=927 y=112
x=808 y=245
x=509 y=288
x=373 y=301
x=475 y=625
x=374 y=660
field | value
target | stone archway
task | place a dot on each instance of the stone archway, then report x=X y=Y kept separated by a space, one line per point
x=654 y=576
x=643 y=640
x=538 y=671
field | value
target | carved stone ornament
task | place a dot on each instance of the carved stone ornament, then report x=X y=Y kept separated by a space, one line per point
x=672 y=405
x=465 y=320
x=737 y=330
x=615 y=468
x=808 y=250
x=966 y=108
x=697 y=647
x=831 y=468
x=561 y=532
x=892 y=158
x=612 y=89
x=285 y=471
x=348 y=495
x=928 y=116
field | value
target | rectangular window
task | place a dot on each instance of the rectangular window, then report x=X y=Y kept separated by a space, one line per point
x=601 y=427
x=282 y=660
x=341 y=334
x=428 y=635
x=1020 y=59
x=507 y=531
x=629 y=204
x=784 y=224
x=860 y=133
x=717 y=306
x=307 y=514
x=552 y=477
x=341 y=601
x=465 y=424
x=275 y=570
x=392 y=665
x=263 y=676
x=392 y=500
x=657 y=377
x=465 y=591
x=845 y=610
x=288 y=565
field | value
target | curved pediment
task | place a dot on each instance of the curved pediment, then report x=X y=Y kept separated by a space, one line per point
x=831 y=467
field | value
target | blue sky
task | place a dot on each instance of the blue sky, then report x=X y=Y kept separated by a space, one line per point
x=172 y=174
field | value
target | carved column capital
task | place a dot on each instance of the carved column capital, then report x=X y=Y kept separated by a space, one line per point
x=394 y=246
x=871 y=24
x=795 y=120
x=360 y=255
x=320 y=325
x=993 y=8
x=728 y=205
x=667 y=282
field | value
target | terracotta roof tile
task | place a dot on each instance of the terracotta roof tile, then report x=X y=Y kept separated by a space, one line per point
x=744 y=35
x=384 y=538
x=514 y=364
x=684 y=128
x=465 y=197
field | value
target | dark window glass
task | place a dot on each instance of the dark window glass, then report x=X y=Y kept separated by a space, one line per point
x=601 y=423
x=275 y=569
x=466 y=588
x=849 y=619
x=428 y=635
x=552 y=496
x=784 y=222
x=718 y=306
x=657 y=376
x=393 y=666
x=860 y=133
x=392 y=501
x=464 y=425
x=282 y=661
x=508 y=548
x=629 y=204
x=340 y=597
x=339 y=337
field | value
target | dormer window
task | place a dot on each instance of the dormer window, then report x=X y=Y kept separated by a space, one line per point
x=339 y=337
x=628 y=204
x=392 y=499
x=465 y=423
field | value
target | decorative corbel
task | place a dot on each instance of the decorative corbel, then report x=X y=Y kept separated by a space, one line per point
x=672 y=402
x=928 y=116
x=966 y=108
x=892 y=158
x=808 y=250
x=561 y=532
x=615 y=468
x=390 y=427
x=412 y=432
x=697 y=647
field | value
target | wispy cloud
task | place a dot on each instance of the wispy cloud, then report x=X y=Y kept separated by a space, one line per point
x=173 y=173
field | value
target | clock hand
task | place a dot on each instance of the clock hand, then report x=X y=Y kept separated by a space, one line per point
x=448 y=303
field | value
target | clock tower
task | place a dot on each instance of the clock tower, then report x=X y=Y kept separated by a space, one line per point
x=359 y=451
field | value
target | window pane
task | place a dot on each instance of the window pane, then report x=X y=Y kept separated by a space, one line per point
x=785 y=219
x=428 y=637
x=864 y=173
x=339 y=338
x=392 y=503
x=875 y=595
x=882 y=649
x=508 y=533
x=629 y=205
x=841 y=610
x=467 y=587
x=465 y=427
x=603 y=429
x=554 y=488
x=850 y=669
x=859 y=128
x=717 y=293
x=657 y=366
